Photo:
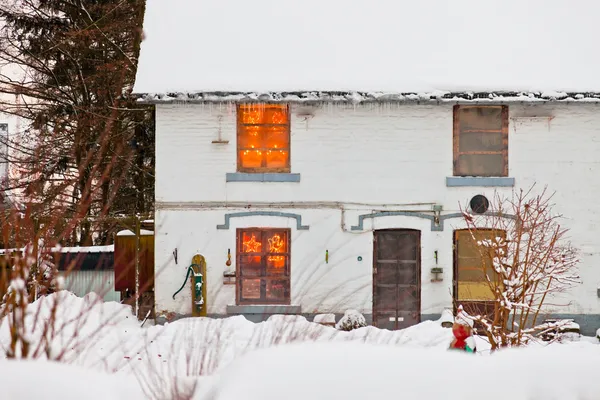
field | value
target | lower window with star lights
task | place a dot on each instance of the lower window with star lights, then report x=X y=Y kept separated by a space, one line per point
x=263 y=266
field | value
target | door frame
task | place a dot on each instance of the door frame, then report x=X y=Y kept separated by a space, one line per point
x=417 y=232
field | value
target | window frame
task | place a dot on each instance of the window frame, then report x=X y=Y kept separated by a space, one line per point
x=263 y=168
x=264 y=278
x=456 y=140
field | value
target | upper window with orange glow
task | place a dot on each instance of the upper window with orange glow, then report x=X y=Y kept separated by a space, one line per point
x=263 y=138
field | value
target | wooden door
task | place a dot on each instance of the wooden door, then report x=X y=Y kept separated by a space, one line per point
x=471 y=265
x=397 y=278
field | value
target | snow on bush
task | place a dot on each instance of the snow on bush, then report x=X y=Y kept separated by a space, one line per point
x=61 y=325
x=324 y=319
x=352 y=319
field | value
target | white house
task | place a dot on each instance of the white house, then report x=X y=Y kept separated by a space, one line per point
x=314 y=142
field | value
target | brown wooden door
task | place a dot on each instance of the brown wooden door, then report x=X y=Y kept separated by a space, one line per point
x=397 y=278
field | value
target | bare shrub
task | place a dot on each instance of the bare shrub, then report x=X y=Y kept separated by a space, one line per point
x=527 y=261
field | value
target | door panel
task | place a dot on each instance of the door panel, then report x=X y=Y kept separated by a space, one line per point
x=396 y=279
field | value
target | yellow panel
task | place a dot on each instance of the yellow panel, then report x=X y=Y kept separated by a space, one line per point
x=474 y=291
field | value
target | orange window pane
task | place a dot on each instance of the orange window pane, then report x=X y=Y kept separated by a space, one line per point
x=277 y=246
x=276 y=114
x=250 y=137
x=276 y=137
x=251 y=242
x=251 y=158
x=277 y=159
x=251 y=114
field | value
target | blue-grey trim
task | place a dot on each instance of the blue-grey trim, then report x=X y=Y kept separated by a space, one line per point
x=439 y=227
x=588 y=323
x=261 y=177
x=461 y=181
x=430 y=317
x=264 y=309
x=297 y=217
x=361 y=218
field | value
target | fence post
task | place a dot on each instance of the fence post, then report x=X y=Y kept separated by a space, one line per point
x=137 y=266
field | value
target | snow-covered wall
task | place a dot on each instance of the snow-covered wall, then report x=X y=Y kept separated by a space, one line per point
x=352 y=161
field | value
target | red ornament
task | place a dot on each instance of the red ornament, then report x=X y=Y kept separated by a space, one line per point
x=461 y=333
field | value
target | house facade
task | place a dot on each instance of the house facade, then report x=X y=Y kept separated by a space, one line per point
x=350 y=188
x=321 y=187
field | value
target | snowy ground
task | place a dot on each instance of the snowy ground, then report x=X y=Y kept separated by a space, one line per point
x=153 y=361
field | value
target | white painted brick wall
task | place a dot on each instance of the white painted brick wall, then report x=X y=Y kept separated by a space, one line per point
x=369 y=154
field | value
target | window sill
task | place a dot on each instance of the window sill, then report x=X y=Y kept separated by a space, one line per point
x=264 y=309
x=261 y=177
x=462 y=181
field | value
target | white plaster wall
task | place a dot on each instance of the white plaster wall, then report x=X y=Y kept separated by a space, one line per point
x=8 y=103
x=371 y=154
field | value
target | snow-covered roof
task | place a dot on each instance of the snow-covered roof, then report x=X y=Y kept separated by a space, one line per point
x=127 y=232
x=382 y=50
x=77 y=249
x=84 y=249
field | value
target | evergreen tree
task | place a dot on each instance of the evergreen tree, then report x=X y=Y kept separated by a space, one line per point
x=87 y=152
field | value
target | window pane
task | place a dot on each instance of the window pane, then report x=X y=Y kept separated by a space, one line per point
x=251 y=113
x=277 y=247
x=276 y=137
x=250 y=137
x=278 y=290
x=277 y=265
x=480 y=141
x=276 y=114
x=250 y=288
x=480 y=165
x=480 y=118
x=251 y=158
x=251 y=242
x=277 y=159
x=251 y=265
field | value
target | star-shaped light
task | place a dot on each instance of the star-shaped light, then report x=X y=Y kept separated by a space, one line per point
x=252 y=246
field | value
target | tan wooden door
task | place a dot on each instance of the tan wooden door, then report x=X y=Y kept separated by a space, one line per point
x=472 y=263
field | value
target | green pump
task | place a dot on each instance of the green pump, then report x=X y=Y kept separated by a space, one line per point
x=197 y=270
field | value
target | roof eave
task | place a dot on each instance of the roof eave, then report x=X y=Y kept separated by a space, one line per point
x=497 y=97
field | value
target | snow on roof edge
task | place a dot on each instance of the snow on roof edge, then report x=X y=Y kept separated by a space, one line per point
x=367 y=97
x=76 y=249
x=127 y=232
